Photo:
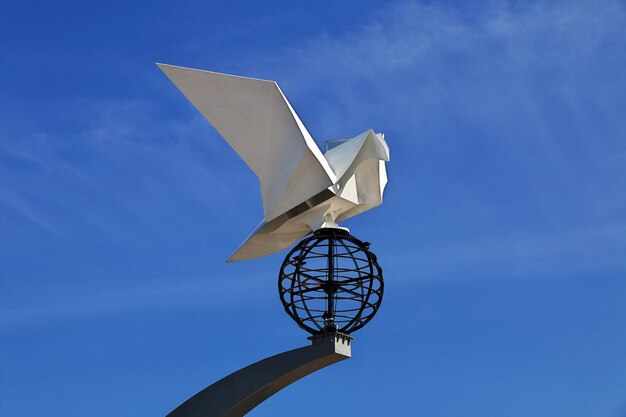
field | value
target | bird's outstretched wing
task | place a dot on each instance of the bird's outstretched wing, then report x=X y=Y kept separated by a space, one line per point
x=258 y=122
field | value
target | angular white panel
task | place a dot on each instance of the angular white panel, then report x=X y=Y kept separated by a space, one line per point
x=301 y=188
x=260 y=125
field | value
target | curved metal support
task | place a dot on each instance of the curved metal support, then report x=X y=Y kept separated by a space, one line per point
x=241 y=391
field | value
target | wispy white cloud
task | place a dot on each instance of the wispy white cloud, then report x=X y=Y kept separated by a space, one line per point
x=121 y=153
x=11 y=201
x=592 y=252
x=99 y=199
x=495 y=63
x=87 y=301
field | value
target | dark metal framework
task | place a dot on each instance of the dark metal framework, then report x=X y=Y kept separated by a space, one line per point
x=330 y=281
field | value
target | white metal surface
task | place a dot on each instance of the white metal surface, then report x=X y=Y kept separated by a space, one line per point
x=302 y=189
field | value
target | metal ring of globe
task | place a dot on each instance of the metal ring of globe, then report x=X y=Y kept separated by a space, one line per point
x=331 y=282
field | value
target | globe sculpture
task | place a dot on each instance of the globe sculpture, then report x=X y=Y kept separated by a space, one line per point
x=331 y=282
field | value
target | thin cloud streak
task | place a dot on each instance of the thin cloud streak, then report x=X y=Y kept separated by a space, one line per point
x=402 y=59
x=174 y=294
x=576 y=253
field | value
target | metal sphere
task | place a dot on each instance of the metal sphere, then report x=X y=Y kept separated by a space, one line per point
x=330 y=281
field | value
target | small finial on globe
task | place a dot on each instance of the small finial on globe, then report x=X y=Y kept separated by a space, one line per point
x=331 y=282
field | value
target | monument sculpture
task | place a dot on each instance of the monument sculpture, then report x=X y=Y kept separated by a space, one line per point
x=330 y=283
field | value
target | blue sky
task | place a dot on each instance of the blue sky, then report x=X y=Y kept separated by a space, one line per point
x=502 y=235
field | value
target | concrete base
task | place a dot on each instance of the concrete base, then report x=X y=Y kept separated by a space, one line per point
x=241 y=391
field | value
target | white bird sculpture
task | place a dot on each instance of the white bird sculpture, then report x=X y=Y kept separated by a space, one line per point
x=302 y=189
